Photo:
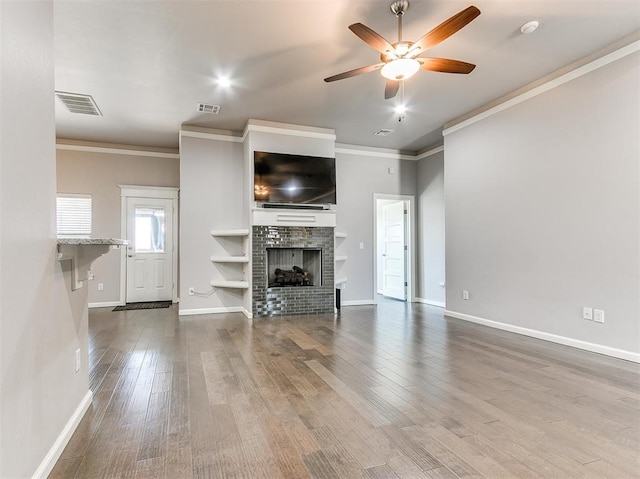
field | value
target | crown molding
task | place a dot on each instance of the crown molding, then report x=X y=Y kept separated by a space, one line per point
x=359 y=151
x=117 y=151
x=535 y=89
x=211 y=136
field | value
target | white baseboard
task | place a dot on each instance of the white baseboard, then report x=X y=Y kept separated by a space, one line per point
x=230 y=309
x=357 y=302
x=46 y=466
x=106 y=304
x=430 y=302
x=247 y=313
x=554 y=338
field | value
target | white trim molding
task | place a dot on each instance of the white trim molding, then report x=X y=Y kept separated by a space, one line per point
x=554 y=338
x=357 y=302
x=428 y=153
x=538 y=89
x=46 y=466
x=431 y=302
x=287 y=129
x=164 y=192
x=211 y=136
x=117 y=151
x=105 y=304
x=359 y=151
x=222 y=310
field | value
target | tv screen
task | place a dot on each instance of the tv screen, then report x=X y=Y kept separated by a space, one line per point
x=283 y=178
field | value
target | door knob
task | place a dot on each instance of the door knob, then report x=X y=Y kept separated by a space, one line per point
x=131 y=255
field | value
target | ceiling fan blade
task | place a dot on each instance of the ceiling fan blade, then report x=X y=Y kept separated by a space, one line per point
x=352 y=73
x=370 y=37
x=391 y=89
x=444 y=30
x=445 y=65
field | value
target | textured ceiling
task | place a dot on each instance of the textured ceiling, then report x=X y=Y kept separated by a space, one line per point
x=149 y=63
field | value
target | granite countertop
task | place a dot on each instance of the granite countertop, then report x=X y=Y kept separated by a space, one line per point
x=92 y=241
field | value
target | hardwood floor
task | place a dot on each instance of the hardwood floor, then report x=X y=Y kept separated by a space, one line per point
x=380 y=392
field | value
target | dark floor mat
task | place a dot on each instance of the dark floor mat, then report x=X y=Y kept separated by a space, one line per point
x=146 y=305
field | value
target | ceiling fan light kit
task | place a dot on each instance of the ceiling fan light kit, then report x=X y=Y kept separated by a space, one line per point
x=400 y=69
x=402 y=60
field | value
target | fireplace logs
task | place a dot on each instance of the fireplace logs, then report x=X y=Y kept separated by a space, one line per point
x=295 y=276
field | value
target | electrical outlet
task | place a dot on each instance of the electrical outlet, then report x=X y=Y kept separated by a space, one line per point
x=192 y=291
x=78 y=362
x=90 y=275
x=465 y=295
x=598 y=315
x=587 y=313
x=100 y=286
x=361 y=245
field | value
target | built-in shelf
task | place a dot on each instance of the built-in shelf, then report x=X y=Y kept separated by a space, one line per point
x=230 y=259
x=341 y=280
x=241 y=232
x=230 y=284
x=340 y=235
x=341 y=258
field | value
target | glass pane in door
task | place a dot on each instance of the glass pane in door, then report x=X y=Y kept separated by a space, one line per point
x=150 y=229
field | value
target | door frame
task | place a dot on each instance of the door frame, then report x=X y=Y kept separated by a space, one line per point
x=160 y=192
x=409 y=201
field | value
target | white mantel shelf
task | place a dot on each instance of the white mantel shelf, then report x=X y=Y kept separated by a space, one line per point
x=87 y=248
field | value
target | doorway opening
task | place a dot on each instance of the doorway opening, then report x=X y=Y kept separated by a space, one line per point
x=394 y=252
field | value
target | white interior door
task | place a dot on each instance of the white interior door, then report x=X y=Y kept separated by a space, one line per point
x=394 y=256
x=150 y=251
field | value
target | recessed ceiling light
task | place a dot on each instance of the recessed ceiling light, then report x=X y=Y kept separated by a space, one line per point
x=400 y=109
x=224 y=81
x=530 y=27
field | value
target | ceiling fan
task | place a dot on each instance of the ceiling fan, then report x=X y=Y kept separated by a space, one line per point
x=402 y=59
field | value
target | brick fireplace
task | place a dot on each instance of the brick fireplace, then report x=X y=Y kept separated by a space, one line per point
x=289 y=249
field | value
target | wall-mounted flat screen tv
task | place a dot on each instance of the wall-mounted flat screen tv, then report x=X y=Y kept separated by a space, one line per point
x=296 y=179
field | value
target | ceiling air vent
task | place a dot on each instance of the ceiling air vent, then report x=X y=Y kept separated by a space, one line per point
x=77 y=103
x=383 y=132
x=207 y=108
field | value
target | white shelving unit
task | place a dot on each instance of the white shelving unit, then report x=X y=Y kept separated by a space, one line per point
x=340 y=282
x=229 y=233
x=230 y=284
x=229 y=259
x=236 y=271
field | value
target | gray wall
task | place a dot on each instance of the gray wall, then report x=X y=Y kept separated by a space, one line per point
x=211 y=197
x=99 y=174
x=543 y=210
x=431 y=238
x=42 y=322
x=359 y=177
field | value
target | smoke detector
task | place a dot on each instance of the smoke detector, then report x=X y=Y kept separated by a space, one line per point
x=530 y=27
x=383 y=132
x=208 y=108
x=79 y=103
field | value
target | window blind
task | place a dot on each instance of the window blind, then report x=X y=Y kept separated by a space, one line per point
x=74 y=215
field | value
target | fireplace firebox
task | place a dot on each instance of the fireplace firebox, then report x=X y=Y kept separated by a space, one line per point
x=294 y=267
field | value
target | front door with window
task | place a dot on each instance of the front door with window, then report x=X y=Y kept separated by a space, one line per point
x=150 y=250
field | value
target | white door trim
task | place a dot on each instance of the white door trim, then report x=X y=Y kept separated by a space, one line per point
x=411 y=242
x=163 y=192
